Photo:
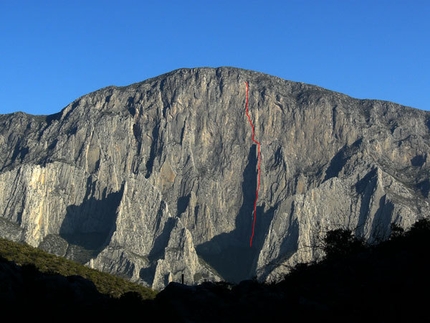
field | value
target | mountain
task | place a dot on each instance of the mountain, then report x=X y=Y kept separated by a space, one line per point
x=157 y=181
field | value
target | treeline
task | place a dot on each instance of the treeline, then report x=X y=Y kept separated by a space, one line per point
x=355 y=282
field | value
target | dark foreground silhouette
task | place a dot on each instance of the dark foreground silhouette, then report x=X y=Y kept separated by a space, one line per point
x=354 y=283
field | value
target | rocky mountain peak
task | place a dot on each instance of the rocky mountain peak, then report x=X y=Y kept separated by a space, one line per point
x=158 y=179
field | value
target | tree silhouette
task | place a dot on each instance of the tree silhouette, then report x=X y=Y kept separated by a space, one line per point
x=341 y=242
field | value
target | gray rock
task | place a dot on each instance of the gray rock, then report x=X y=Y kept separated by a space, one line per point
x=157 y=180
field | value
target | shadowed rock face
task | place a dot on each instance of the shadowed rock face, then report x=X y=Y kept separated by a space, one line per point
x=157 y=179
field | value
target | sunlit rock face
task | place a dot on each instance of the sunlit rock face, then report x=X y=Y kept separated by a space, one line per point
x=156 y=181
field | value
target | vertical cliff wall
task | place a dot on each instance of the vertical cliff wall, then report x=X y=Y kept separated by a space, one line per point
x=157 y=180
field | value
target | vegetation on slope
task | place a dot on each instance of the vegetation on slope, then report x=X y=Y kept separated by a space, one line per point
x=24 y=255
x=355 y=282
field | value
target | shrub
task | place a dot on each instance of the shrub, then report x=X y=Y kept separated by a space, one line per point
x=341 y=242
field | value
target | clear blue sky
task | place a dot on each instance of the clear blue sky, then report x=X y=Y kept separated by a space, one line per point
x=54 y=51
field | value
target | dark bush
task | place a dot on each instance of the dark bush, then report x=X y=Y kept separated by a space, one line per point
x=341 y=242
x=420 y=232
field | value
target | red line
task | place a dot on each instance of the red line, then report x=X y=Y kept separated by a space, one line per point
x=258 y=163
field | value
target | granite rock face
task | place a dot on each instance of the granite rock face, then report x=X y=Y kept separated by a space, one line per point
x=156 y=181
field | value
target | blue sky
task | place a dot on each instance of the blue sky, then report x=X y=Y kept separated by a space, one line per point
x=54 y=51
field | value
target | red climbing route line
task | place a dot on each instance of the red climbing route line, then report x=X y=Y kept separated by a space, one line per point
x=258 y=164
